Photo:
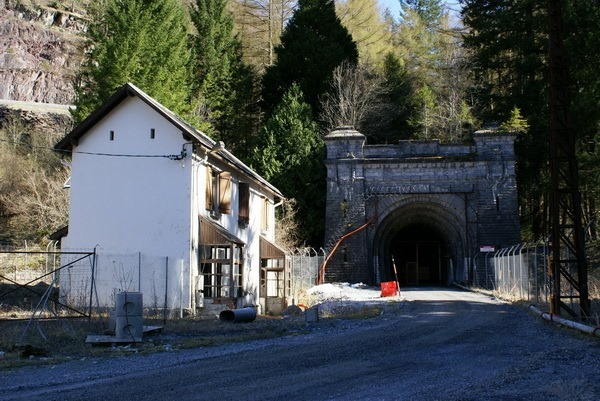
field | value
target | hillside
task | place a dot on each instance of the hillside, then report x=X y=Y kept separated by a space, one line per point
x=40 y=50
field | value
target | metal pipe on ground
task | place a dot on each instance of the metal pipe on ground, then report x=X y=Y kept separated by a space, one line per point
x=242 y=315
x=568 y=323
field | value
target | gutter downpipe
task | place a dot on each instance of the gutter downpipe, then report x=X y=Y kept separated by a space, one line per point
x=568 y=323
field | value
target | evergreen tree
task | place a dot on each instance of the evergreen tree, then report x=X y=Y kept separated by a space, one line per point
x=313 y=44
x=516 y=123
x=431 y=52
x=140 y=41
x=389 y=122
x=508 y=41
x=224 y=85
x=289 y=153
x=430 y=12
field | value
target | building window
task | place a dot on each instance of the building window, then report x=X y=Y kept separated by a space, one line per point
x=112 y=135
x=152 y=133
x=221 y=268
x=225 y=192
x=244 y=204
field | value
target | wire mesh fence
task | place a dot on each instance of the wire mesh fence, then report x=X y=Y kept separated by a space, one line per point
x=303 y=265
x=521 y=272
x=161 y=279
x=76 y=282
x=82 y=281
x=29 y=282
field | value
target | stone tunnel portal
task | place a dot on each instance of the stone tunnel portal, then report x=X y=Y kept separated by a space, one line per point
x=431 y=206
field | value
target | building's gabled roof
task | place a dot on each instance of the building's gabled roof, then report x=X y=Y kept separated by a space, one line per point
x=112 y=102
x=190 y=133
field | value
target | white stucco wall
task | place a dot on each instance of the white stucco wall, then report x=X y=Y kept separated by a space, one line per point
x=127 y=204
x=141 y=213
x=249 y=234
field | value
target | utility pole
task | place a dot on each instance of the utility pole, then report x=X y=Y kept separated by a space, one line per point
x=568 y=264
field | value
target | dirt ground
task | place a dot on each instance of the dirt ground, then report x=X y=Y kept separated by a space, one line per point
x=26 y=340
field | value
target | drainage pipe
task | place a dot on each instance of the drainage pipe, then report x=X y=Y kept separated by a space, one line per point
x=568 y=323
x=247 y=314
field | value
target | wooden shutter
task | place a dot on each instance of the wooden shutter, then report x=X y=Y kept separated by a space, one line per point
x=225 y=192
x=244 y=203
x=209 y=188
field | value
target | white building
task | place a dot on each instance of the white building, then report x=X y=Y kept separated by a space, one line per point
x=170 y=213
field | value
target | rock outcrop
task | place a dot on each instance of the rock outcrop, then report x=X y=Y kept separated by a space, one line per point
x=41 y=48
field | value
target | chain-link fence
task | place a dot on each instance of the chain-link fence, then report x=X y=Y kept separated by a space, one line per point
x=51 y=283
x=521 y=272
x=303 y=265
x=163 y=281
x=80 y=281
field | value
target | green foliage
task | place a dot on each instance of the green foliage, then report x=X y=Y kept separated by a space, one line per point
x=369 y=29
x=289 y=152
x=225 y=87
x=508 y=40
x=431 y=52
x=140 y=41
x=516 y=123
x=313 y=44
x=430 y=12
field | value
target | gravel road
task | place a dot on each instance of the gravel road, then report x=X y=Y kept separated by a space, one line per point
x=438 y=344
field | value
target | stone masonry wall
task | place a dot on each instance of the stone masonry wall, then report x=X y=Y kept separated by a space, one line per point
x=480 y=178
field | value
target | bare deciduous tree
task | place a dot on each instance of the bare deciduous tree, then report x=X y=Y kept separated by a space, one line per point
x=259 y=24
x=33 y=201
x=353 y=94
x=37 y=202
x=286 y=226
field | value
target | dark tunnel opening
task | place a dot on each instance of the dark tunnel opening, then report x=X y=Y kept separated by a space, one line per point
x=418 y=252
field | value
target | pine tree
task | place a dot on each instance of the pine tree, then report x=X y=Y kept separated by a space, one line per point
x=430 y=12
x=289 y=153
x=140 y=41
x=508 y=41
x=313 y=44
x=516 y=123
x=225 y=87
x=433 y=56
x=389 y=122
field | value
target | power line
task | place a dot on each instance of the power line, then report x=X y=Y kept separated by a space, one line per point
x=172 y=157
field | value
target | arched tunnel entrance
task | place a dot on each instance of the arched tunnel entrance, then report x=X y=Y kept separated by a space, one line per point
x=419 y=256
x=420 y=240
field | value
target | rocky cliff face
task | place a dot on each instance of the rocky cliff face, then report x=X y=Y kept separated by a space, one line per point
x=41 y=48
